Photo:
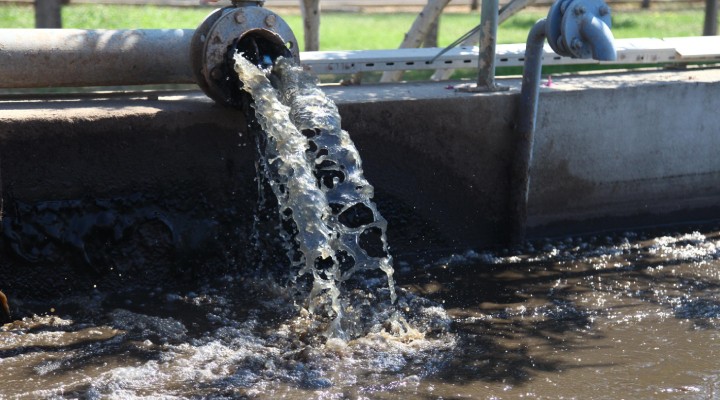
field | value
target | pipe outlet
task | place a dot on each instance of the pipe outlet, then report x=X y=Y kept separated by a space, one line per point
x=599 y=38
x=257 y=33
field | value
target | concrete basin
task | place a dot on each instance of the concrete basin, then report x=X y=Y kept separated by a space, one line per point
x=157 y=185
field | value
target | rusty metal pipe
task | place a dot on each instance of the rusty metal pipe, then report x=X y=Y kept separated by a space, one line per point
x=488 y=41
x=33 y=58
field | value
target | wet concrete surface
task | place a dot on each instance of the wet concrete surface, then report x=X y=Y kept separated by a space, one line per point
x=606 y=149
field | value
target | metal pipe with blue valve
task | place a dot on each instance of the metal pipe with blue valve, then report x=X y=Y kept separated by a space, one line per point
x=573 y=28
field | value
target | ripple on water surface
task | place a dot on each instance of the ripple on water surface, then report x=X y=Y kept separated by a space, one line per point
x=624 y=316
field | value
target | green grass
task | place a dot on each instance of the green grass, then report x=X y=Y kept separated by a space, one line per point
x=353 y=31
x=109 y=17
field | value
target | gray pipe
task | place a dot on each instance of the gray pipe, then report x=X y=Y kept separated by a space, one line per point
x=488 y=41
x=710 y=27
x=32 y=58
x=594 y=34
x=525 y=130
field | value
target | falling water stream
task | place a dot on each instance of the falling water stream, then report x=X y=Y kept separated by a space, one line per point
x=628 y=315
x=316 y=175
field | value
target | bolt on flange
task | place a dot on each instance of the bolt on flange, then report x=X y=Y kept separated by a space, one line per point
x=270 y=20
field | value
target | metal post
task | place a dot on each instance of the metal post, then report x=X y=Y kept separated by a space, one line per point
x=310 y=10
x=711 y=14
x=48 y=13
x=486 y=60
x=488 y=40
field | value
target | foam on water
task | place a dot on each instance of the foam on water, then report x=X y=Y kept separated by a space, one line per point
x=573 y=318
x=132 y=354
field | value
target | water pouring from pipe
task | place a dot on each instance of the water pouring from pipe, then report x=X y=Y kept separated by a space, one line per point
x=315 y=173
x=246 y=57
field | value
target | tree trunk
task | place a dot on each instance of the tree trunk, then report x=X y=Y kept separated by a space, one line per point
x=711 y=14
x=418 y=32
x=513 y=8
x=431 y=38
x=645 y=4
x=311 y=23
x=47 y=14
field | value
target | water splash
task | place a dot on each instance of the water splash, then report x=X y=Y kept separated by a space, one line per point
x=315 y=172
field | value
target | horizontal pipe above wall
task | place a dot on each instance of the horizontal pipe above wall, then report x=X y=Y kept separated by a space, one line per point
x=33 y=58
x=36 y=58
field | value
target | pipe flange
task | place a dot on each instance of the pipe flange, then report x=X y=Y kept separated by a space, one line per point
x=553 y=27
x=255 y=31
x=565 y=21
x=243 y=3
x=579 y=13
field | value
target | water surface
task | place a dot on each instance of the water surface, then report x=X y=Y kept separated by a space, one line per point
x=633 y=315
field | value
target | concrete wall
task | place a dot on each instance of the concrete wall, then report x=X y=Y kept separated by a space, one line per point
x=611 y=151
x=642 y=146
x=445 y=162
x=96 y=192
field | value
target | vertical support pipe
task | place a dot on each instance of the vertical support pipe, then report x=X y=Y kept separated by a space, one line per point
x=310 y=10
x=488 y=41
x=589 y=36
x=48 y=13
x=711 y=15
x=527 y=114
